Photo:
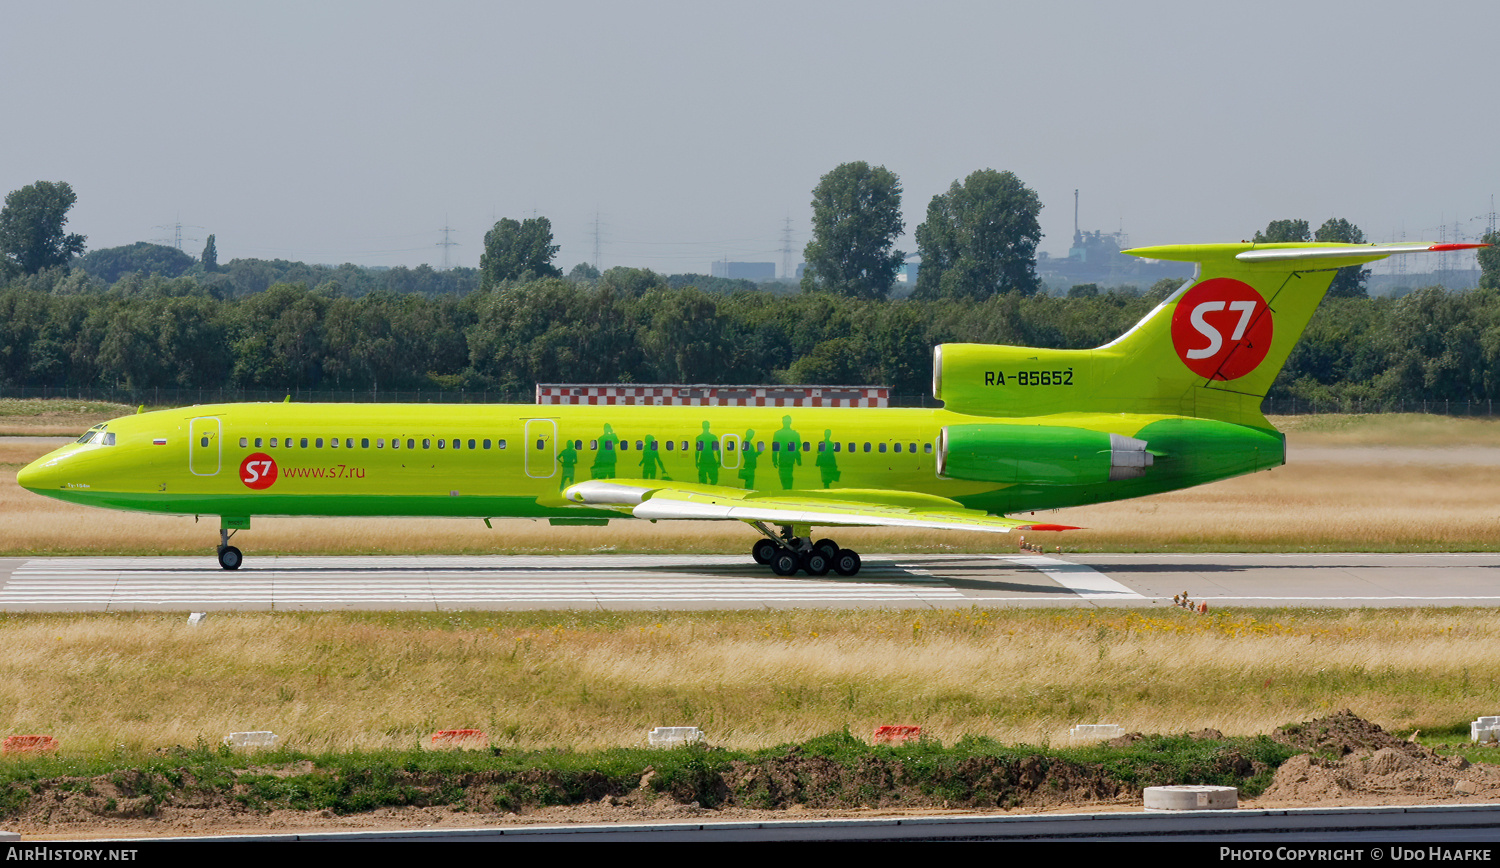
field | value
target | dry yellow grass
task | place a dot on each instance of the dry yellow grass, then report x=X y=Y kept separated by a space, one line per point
x=64 y=418
x=351 y=681
x=1389 y=429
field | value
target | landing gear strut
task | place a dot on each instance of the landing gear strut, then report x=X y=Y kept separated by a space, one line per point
x=230 y=557
x=786 y=553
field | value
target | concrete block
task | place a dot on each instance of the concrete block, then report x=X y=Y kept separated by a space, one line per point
x=250 y=739
x=1192 y=797
x=675 y=736
x=1099 y=731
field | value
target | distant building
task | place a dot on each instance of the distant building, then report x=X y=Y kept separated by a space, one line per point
x=744 y=270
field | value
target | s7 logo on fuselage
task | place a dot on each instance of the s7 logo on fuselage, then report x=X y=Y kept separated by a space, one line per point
x=258 y=471
x=1222 y=329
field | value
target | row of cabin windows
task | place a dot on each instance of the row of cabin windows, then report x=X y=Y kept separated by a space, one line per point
x=760 y=446
x=364 y=443
x=458 y=443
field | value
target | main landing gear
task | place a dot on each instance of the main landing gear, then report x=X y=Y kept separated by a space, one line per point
x=230 y=557
x=786 y=553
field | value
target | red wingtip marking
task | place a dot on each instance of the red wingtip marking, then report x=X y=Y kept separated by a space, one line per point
x=1049 y=527
x=1439 y=248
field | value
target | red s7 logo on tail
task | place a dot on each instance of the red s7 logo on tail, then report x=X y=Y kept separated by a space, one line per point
x=1222 y=329
x=258 y=471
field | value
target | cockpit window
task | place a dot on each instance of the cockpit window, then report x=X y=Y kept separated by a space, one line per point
x=98 y=436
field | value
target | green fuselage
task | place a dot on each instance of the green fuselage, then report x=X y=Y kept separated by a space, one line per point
x=496 y=461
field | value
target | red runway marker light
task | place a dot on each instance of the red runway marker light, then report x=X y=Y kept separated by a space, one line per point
x=897 y=734
x=460 y=738
x=29 y=744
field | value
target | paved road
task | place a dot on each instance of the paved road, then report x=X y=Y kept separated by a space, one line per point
x=697 y=582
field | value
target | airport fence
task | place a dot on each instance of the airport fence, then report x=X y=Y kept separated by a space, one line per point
x=186 y=397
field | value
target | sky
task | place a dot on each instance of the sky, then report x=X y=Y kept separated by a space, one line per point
x=693 y=132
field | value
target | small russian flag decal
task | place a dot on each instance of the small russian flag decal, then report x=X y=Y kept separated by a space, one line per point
x=160 y=441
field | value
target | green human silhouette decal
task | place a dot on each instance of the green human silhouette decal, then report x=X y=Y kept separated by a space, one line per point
x=567 y=459
x=604 y=459
x=827 y=461
x=707 y=457
x=651 y=460
x=784 y=452
x=748 y=457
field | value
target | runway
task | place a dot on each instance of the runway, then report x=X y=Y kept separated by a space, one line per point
x=703 y=582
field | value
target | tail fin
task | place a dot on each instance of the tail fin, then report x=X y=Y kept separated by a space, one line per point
x=1211 y=350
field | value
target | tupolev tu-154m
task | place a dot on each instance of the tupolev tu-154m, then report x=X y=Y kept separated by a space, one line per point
x=1174 y=402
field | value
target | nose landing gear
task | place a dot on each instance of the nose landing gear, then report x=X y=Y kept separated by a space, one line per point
x=230 y=557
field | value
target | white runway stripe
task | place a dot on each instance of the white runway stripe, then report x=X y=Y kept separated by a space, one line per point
x=1081 y=579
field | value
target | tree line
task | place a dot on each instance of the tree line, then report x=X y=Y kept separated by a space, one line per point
x=191 y=323
x=631 y=325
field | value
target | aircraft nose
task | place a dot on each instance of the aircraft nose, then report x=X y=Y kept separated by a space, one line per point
x=30 y=476
x=39 y=475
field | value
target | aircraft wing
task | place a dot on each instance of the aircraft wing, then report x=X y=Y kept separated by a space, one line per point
x=652 y=499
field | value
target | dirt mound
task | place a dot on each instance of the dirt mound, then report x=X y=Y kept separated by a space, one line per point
x=1341 y=734
x=1352 y=761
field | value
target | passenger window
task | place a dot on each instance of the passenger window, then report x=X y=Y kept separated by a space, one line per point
x=320 y=443
x=500 y=444
x=898 y=447
x=426 y=442
x=851 y=447
x=440 y=443
x=471 y=444
x=927 y=447
x=624 y=445
x=867 y=446
x=304 y=442
x=349 y=443
x=669 y=445
x=882 y=447
x=364 y=443
x=273 y=442
x=257 y=442
x=486 y=444
x=244 y=442
x=395 y=443
x=540 y=443
x=912 y=448
x=334 y=443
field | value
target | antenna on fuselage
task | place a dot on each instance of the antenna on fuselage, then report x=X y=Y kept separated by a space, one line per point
x=287 y=399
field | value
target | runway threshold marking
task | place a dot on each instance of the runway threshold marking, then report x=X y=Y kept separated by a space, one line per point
x=1081 y=579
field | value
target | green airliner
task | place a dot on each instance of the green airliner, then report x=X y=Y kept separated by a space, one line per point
x=1174 y=402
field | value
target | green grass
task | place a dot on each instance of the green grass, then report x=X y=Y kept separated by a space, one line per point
x=835 y=770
